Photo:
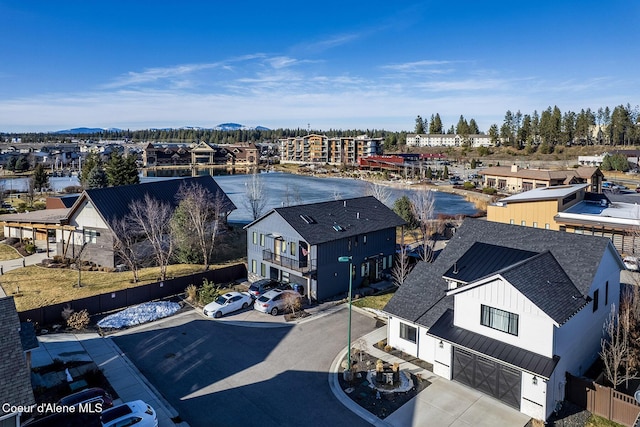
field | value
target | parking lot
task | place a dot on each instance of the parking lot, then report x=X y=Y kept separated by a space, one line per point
x=234 y=372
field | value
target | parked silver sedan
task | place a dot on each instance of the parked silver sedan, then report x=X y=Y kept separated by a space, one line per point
x=227 y=303
x=276 y=300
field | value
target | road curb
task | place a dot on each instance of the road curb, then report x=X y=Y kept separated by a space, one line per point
x=337 y=391
x=170 y=410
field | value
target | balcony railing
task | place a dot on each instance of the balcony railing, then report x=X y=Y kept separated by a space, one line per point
x=303 y=266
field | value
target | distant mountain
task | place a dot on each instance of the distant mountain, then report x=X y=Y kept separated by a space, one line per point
x=85 y=131
x=236 y=126
x=229 y=127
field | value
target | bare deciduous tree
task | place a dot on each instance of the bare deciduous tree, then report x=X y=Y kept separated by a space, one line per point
x=423 y=205
x=401 y=266
x=380 y=192
x=152 y=219
x=126 y=244
x=199 y=216
x=256 y=199
x=619 y=345
x=292 y=302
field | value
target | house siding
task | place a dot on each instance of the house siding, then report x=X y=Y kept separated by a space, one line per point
x=535 y=328
x=333 y=276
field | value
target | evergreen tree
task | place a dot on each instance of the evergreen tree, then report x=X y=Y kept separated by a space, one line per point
x=91 y=162
x=11 y=163
x=473 y=127
x=121 y=170
x=436 y=124
x=40 y=177
x=463 y=127
x=96 y=178
x=21 y=164
x=420 y=125
x=404 y=208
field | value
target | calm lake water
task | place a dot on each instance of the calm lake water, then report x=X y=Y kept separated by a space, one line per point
x=285 y=189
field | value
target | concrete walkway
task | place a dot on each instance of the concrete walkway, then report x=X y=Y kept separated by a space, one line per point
x=442 y=403
x=123 y=376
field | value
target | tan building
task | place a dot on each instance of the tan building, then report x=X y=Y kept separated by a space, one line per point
x=513 y=179
x=315 y=148
x=571 y=208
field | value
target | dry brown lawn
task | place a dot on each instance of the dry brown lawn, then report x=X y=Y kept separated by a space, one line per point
x=39 y=286
x=7 y=252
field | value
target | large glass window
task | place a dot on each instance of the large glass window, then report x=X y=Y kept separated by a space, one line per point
x=408 y=332
x=499 y=319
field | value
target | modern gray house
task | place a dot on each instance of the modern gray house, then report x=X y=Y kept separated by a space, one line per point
x=301 y=244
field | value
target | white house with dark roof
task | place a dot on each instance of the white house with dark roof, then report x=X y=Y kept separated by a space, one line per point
x=301 y=244
x=509 y=310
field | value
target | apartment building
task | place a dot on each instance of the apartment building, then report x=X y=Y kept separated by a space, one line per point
x=314 y=148
x=447 y=140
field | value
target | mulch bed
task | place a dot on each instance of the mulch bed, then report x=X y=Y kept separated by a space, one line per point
x=383 y=404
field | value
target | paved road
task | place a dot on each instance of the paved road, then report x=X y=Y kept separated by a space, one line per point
x=215 y=373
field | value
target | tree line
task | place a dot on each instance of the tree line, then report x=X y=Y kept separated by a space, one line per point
x=543 y=131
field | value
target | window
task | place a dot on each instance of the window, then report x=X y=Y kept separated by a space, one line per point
x=263 y=269
x=284 y=277
x=595 y=300
x=523 y=222
x=364 y=239
x=546 y=226
x=292 y=248
x=535 y=224
x=512 y=221
x=283 y=247
x=261 y=239
x=254 y=266
x=90 y=236
x=255 y=237
x=606 y=293
x=408 y=332
x=499 y=319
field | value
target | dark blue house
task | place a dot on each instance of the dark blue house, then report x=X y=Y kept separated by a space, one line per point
x=301 y=244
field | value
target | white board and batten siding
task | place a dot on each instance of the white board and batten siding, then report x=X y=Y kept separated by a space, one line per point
x=535 y=328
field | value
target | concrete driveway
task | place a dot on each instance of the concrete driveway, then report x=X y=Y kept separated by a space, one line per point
x=219 y=373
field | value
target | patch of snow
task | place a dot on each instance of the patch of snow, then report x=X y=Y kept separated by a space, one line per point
x=139 y=314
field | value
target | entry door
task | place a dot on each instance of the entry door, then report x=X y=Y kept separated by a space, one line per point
x=488 y=376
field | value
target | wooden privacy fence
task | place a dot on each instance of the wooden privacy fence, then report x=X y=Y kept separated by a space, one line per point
x=109 y=301
x=602 y=400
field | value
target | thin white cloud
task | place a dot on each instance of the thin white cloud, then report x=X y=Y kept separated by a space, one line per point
x=328 y=43
x=418 y=66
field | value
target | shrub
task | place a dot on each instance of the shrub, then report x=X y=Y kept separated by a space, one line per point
x=208 y=292
x=67 y=311
x=489 y=190
x=388 y=348
x=79 y=320
x=382 y=343
x=30 y=248
x=468 y=185
x=192 y=293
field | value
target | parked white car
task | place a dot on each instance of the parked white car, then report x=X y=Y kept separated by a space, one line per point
x=631 y=263
x=227 y=303
x=136 y=413
x=275 y=301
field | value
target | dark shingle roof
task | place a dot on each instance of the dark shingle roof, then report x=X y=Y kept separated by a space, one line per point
x=114 y=202
x=510 y=354
x=14 y=376
x=326 y=221
x=577 y=255
x=483 y=259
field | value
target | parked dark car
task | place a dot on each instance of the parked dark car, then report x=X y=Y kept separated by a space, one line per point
x=92 y=395
x=261 y=286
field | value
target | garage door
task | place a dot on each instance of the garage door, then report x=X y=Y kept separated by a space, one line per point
x=488 y=376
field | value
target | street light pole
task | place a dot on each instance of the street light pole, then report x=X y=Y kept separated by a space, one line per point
x=348 y=374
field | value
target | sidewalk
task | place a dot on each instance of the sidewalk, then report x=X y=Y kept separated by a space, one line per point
x=442 y=403
x=123 y=376
x=12 y=264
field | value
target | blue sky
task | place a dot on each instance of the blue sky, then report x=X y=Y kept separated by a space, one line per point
x=330 y=65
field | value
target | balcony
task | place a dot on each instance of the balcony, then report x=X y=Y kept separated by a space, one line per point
x=303 y=266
